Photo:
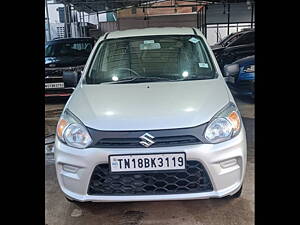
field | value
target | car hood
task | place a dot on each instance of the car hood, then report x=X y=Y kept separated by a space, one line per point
x=148 y=106
x=64 y=61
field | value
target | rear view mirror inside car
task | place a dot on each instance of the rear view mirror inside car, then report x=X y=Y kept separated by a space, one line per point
x=149 y=46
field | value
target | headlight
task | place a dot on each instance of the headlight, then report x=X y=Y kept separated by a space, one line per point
x=71 y=131
x=225 y=125
x=249 y=69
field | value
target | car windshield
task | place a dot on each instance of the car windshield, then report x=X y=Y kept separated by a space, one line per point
x=222 y=41
x=79 y=48
x=230 y=39
x=151 y=59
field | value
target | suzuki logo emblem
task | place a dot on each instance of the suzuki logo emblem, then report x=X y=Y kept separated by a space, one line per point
x=147 y=140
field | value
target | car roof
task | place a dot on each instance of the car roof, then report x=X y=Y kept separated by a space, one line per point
x=151 y=32
x=240 y=32
x=245 y=31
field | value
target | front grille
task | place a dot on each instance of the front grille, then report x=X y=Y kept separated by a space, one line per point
x=192 y=180
x=57 y=72
x=159 y=142
x=54 y=79
x=53 y=76
x=60 y=91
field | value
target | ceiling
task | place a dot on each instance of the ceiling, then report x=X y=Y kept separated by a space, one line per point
x=92 y=6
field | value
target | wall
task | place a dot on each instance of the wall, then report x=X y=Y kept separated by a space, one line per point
x=104 y=27
x=53 y=30
x=182 y=20
x=125 y=13
x=240 y=18
x=239 y=12
x=127 y=20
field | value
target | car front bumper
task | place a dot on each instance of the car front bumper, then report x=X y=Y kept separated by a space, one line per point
x=225 y=164
x=62 y=92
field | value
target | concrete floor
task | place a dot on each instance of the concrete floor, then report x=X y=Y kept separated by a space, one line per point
x=197 y=212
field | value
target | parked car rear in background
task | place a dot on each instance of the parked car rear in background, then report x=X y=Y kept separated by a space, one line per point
x=236 y=46
x=243 y=79
x=67 y=54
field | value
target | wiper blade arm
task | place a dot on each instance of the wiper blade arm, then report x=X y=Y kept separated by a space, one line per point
x=197 y=78
x=121 y=81
x=139 y=79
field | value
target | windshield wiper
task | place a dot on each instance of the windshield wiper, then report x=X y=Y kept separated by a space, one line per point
x=197 y=78
x=139 y=80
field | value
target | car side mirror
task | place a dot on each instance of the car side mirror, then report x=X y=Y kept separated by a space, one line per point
x=231 y=69
x=71 y=78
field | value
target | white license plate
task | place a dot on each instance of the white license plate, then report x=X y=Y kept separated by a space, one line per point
x=147 y=162
x=54 y=85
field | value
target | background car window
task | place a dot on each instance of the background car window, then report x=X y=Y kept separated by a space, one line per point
x=225 y=39
x=247 y=38
x=232 y=39
x=83 y=47
x=68 y=49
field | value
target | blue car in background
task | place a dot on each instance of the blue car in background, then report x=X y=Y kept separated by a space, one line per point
x=240 y=76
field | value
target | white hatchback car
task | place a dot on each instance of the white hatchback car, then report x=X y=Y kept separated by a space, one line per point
x=151 y=118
